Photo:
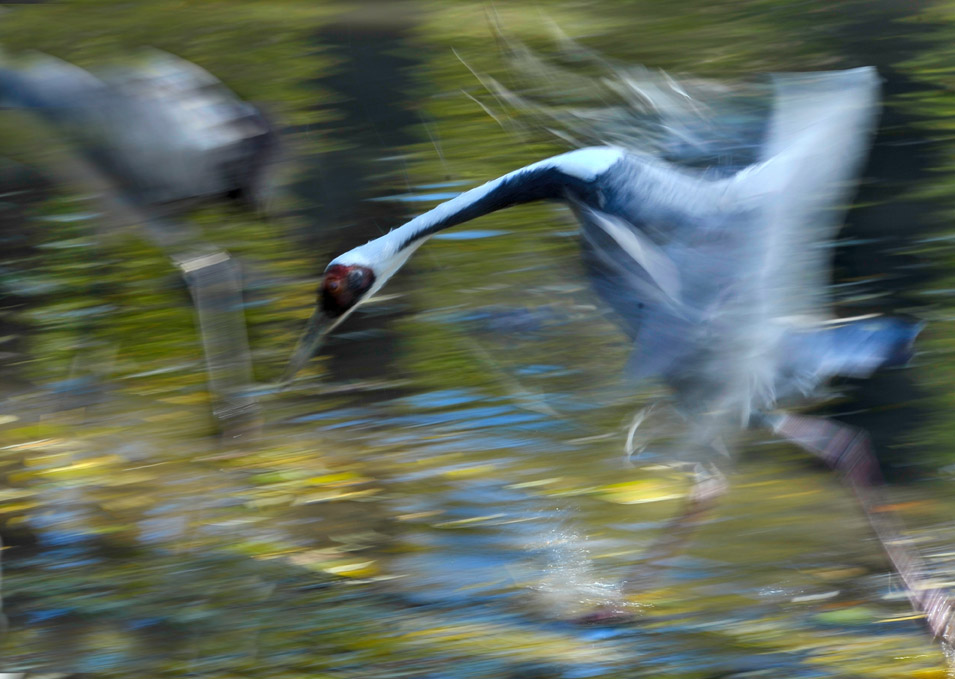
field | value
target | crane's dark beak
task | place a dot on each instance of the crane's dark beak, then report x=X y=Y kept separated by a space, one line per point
x=319 y=325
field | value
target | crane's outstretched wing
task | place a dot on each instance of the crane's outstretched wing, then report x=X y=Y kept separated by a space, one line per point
x=818 y=139
x=587 y=99
x=751 y=250
x=854 y=348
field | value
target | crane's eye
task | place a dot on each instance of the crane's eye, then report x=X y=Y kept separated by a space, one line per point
x=343 y=287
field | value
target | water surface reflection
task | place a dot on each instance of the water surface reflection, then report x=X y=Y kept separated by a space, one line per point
x=447 y=487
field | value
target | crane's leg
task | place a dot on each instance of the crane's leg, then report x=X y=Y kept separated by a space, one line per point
x=709 y=485
x=215 y=285
x=848 y=451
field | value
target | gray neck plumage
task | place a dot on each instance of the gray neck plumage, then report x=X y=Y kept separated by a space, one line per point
x=570 y=176
x=523 y=186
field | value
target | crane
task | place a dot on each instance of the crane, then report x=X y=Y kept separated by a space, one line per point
x=719 y=276
x=150 y=141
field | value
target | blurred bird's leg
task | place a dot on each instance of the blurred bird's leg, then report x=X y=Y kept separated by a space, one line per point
x=709 y=485
x=848 y=451
x=215 y=285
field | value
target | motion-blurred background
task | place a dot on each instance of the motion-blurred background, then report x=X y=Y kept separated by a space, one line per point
x=447 y=485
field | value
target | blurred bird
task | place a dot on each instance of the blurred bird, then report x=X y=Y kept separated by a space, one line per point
x=164 y=130
x=719 y=275
x=150 y=141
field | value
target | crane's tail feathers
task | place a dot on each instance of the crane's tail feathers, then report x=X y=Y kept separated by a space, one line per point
x=853 y=349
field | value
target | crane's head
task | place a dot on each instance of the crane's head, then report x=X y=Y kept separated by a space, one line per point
x=343 y=287
x=351 y=279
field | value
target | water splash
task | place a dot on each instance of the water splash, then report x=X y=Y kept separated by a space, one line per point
x=570 y=586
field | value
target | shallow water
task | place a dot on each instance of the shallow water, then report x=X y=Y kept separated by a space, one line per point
x=445 y=489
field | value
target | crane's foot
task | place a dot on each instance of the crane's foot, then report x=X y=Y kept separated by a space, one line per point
x=607 y=615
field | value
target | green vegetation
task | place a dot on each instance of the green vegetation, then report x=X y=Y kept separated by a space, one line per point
x=139 y=544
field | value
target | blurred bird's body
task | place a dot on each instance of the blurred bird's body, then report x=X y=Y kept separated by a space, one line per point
x=715 y=253
x=164 y=130
x=719 y=276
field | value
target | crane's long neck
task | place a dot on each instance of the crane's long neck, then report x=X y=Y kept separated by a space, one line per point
x=571 y=175
x=523 y=186
x=568 y=175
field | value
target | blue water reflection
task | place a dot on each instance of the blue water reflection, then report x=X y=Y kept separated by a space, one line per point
x=446 y=493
